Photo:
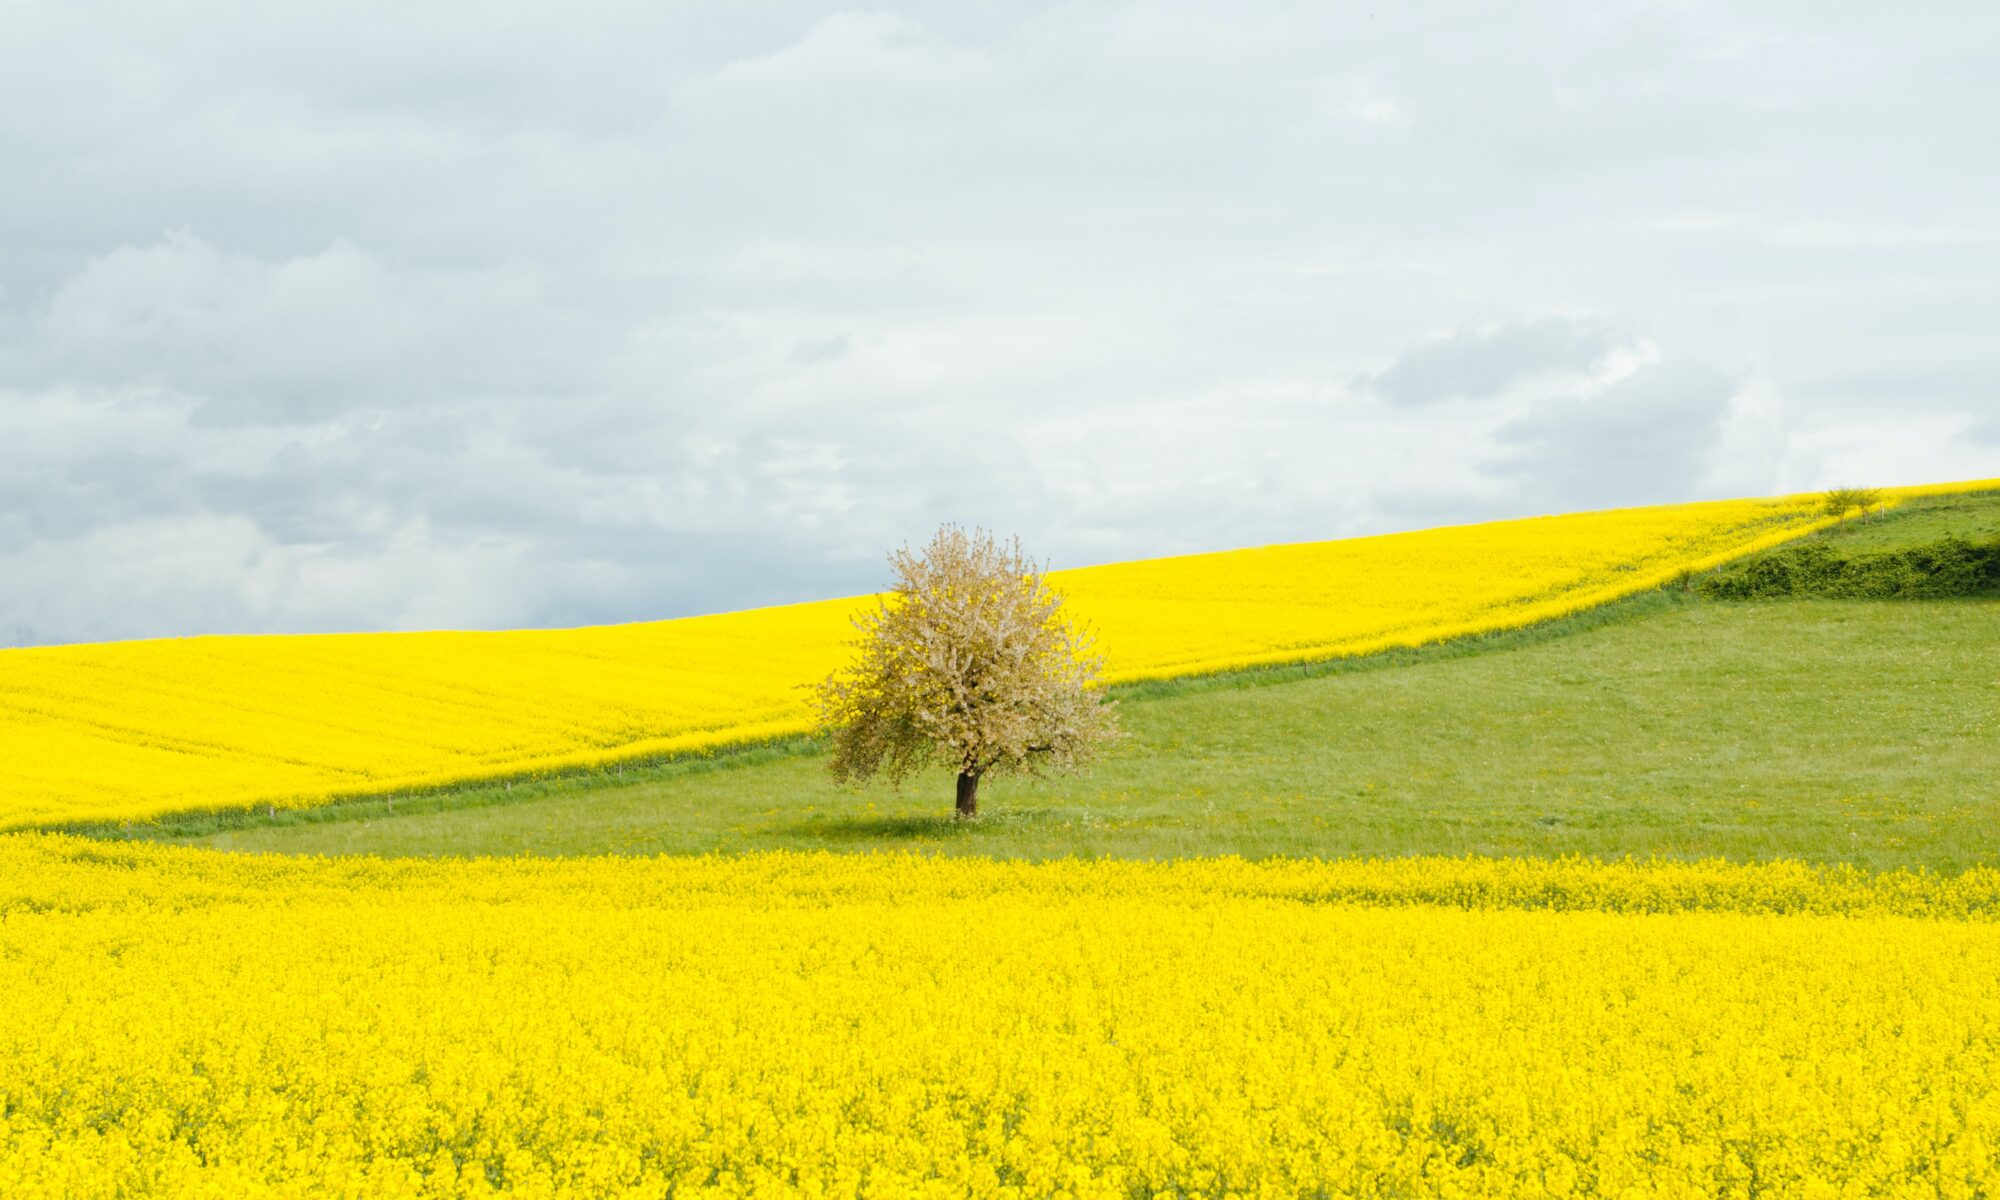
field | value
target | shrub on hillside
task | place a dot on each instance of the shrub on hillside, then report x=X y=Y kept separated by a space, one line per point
x=1843 y=500
x=1950 y=567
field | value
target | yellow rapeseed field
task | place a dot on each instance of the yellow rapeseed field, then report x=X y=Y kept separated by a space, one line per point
x=178 y=1023
x=129 y=730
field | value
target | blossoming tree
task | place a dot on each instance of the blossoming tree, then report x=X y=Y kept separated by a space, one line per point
x=967 y=663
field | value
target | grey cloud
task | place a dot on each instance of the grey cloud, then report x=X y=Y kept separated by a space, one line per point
x=1481 y=362
x=302 y=339
x=819 y=350
x=1644 y=439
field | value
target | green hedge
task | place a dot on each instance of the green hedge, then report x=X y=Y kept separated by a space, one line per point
x=1952 y=566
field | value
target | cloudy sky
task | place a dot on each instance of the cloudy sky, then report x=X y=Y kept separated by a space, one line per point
x=316 y=318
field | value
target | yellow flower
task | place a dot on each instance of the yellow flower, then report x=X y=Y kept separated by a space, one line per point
x=179 y=1023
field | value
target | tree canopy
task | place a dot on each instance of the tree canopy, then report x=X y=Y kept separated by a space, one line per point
x=1840 y=501
x=967 y=663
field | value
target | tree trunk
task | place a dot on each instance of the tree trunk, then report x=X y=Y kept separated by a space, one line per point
x=968 y=794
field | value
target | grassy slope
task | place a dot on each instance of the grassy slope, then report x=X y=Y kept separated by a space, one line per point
x=1863 y=732
x=1826 y=731
x=1975 y=516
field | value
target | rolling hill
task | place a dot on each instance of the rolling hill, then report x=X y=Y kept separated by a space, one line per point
x=132 y=730
x=1666 y=724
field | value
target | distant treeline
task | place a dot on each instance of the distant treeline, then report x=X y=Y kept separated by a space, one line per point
x=1951 y=566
